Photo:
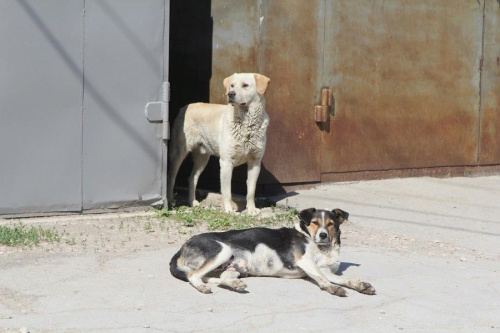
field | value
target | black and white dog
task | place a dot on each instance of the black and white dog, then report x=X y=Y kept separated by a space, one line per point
x=311 y=249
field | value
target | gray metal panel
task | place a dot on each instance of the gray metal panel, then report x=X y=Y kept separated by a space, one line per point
x=124 y=69
x=41 y=105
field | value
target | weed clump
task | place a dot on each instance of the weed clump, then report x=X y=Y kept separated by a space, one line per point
x=21 y=235
x=216 y=219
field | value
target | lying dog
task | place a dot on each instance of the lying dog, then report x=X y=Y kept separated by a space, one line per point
x=235 y=132
x=311 y=249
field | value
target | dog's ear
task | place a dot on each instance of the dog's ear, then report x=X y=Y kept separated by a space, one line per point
x=340 y=214
x=306 y=215
x=261 y=83
x=227 y=83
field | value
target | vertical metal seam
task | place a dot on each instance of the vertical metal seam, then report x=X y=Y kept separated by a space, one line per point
x=164 y=143
x=83 y=103
x=323 y=83
x=163 y=38
x=481 y=66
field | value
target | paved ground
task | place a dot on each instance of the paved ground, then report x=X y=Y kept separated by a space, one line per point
x=431 y=248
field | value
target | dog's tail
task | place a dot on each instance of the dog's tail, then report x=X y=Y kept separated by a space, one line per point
x=174 y=269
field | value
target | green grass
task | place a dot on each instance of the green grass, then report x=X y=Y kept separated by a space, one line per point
x=218 y=220
x=21 y=235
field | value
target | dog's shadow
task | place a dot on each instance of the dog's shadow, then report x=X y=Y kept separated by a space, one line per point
x=344 y=266
x=233 y=290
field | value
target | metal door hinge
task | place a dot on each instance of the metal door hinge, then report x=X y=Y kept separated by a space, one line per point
x=322 y=112
x=157 y=112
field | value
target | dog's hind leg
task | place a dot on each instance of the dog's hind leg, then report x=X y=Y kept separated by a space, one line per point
x=200 y=161
x=177 y=155
x=228 y=279
x=196 y=277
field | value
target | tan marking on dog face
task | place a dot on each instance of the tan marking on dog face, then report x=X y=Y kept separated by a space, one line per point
x=330 y=226
x=313 y=227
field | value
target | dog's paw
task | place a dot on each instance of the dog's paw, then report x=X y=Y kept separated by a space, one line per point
x=252 y=211
x=336 y=290
x=195 y=203
x=237 y=285
x=366 y=288
x=229 y=210
x=202 y=288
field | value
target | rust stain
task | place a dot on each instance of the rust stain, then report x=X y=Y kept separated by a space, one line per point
x=300 y=135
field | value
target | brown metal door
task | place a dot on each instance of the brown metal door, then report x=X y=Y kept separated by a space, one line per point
x=291 y=53
x=490 y=87
x=409 y=88
x=405 y=78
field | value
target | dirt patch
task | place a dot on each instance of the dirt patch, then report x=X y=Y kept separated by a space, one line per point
x=106 y=233
x=123 y=233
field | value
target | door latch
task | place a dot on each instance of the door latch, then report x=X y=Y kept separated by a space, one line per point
x=322 y=111
x=157 y=112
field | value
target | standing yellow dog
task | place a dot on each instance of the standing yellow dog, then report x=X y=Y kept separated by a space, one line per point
x=236 y=133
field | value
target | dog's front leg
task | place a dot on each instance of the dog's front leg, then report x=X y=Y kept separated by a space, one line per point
x=253 y=175
x=362 y=287
x=226 y=172
x=312 y=270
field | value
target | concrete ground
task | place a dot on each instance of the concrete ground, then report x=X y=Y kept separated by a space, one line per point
x=430 y=247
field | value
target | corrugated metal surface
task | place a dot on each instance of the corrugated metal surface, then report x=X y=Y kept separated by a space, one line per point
x=405 y=77
x=41 y=105
x=490 y=87
x=76 y=76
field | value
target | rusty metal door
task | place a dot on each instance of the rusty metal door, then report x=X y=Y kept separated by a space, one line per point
x=405 y=78
x=283 y=40
x=414 y=84
x=291 y=54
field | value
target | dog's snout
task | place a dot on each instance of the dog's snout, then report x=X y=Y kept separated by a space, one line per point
x=323 y=235
x=231 y=94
